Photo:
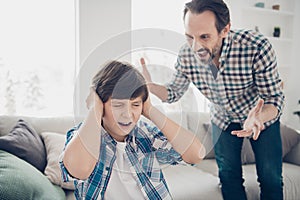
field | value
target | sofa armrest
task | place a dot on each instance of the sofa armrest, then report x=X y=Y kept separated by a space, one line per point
x=294 y=155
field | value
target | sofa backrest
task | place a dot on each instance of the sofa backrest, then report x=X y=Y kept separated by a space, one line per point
x=40 y=124
x=197 y=122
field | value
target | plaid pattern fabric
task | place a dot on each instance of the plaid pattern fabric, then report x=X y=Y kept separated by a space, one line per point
x=146 y=148
x=247 y=71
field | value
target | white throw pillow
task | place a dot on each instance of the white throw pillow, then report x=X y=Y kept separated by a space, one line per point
x=54 y=143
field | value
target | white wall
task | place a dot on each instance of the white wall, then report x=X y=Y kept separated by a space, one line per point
x=292 y=89
x=101 y=22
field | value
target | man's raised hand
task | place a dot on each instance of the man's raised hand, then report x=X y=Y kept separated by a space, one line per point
x=145 y=71
x=253 y=125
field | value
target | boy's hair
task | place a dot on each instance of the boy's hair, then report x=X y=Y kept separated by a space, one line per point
x=119 y=80
x=218 y=7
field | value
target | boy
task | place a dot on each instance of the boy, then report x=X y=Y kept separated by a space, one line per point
x=115 y=155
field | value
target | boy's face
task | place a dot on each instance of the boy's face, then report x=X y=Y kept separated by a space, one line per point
x=121 y=115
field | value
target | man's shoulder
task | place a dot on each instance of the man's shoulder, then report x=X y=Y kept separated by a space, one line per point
x=248 y=37
x=185 y=50
x=186 y=59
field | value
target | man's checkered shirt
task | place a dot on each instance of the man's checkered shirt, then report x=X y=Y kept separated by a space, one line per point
x=247 y=71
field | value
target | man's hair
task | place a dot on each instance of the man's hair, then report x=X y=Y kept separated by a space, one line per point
x=119 y=80
x=218 y=7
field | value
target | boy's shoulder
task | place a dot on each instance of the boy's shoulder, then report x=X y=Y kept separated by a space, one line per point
x=145 y=124
x=147 y=127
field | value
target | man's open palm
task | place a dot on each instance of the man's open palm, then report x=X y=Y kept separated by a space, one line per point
x=253 y=124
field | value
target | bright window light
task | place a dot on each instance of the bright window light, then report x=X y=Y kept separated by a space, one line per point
x=37 y=57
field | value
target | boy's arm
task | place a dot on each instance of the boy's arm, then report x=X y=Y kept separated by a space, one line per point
x=82 y=152
x=182 y=140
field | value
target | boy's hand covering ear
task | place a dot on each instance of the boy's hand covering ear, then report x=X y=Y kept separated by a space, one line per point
x=147 y=105
x=93 y=101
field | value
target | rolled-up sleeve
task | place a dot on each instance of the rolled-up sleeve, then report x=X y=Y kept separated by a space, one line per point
x=178 y=85
x=267 y=77
x=65 y=175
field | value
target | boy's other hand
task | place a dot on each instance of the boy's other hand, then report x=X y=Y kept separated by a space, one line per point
x=147 y=106
x=93 y=100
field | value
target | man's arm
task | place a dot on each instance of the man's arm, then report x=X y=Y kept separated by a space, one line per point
x=254 y=123
x=269 y=112
x=268 y=84
x=171 y=93
x=158 y=90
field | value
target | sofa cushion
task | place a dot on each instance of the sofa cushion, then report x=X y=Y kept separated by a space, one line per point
x=289 y=137
x=20 y=180
x=291 y=181
x=54 y=143
x=294 y=155
x=206 y=139
x=188 y=182
x=24 y=142
x=198 y=123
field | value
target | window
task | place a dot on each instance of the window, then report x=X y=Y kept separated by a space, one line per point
x=37 y=57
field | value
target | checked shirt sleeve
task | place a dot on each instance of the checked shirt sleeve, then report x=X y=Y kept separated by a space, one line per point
x=163 y=149
x=267 y=78
x=179 y=84
x=66 y=177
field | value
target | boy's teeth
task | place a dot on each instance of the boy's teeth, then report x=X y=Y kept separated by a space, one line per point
x=124 y=124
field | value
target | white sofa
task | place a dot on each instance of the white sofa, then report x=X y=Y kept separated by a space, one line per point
x=192 y=182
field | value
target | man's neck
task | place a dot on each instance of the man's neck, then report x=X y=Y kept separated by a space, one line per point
x=216 y=61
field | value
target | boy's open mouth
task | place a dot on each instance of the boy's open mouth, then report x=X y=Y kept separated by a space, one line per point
x=124 y=123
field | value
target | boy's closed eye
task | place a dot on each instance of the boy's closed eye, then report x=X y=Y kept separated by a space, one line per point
x=117 y=105
x=120 y=104
x=137 y=104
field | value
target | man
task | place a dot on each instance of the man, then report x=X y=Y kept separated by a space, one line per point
x=237 y=72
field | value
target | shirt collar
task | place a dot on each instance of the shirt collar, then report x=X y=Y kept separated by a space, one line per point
x=130 y=139
x=225 y=47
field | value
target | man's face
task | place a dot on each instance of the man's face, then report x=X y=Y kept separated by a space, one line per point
x=202 y=35
x=121 y=116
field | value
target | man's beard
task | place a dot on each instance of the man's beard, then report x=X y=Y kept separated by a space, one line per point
x=204 y=56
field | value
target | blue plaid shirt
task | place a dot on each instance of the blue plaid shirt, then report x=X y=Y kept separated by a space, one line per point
x=247 y=71
x=146 y=148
